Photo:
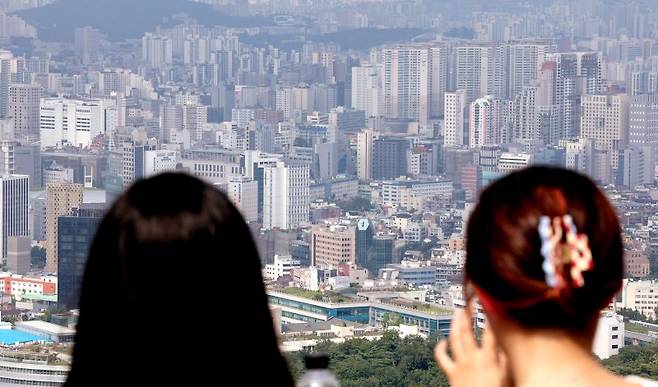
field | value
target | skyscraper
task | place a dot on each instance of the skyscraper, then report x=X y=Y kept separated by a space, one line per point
x=389 y=158
x=285 y=195
x=480 y=70
x=364 y=233
x=14 y=205
x=604 y=120
x=523 y=65
x=484 y=122
x=75 y=233
x=643 y=122
x=415 y=78
x=526 y=119
x=576 y=74
x=364 y=154
x=24 y=100
x=157 y=51
x=61 y=198
x=367 y=88
x=454 y=118
x=171 y=122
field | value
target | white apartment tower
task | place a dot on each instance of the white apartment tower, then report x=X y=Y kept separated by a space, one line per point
x=367 y=89
x=157 y=51
x=285 y=196
x=364 y=149
x=480 y=70
x=454 y=119
x=414 y=81
x=525 y=62
x=484 y=122
x=526 y=125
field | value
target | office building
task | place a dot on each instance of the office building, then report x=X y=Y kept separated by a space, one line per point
x=332 y=245
x=285 y=195
x=14 y=208
x=75 y=122
x=75 y=234
x=61 y=199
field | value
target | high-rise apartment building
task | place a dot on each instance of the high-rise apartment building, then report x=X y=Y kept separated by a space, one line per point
x=171 y=122
x=157 y=51
x=367 y=89
x=480 y=70
x=415 y=79
x=455 y=118
x=523 y=65
x=575 y=74
x=485 y=118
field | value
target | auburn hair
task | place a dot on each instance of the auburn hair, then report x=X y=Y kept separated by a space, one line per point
x=503 y=257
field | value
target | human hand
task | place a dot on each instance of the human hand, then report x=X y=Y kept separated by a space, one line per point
x=471 y=365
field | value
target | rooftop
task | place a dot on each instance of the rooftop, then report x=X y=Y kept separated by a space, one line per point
x=331 y=297
x=14 y=337
x=46 y=327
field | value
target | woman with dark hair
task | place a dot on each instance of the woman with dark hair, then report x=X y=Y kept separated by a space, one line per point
x=173 y=294
x=544 y=257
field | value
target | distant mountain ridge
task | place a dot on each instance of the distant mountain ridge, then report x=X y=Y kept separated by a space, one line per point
x=123 y=19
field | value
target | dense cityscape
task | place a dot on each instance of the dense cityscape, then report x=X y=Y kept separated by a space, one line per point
x=354 y=136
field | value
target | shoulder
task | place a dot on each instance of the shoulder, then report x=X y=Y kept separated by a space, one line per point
x=642 y=381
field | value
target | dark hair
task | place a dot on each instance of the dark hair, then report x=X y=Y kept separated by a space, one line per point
x=503 y=247
x=173 y=293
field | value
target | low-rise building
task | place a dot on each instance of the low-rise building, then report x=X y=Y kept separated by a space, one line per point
x=52 y=332
x=609 y=338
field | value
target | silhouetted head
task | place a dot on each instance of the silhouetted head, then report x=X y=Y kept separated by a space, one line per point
x=173 y=291
x=503 y=247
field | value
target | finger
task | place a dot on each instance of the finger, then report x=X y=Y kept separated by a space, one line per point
x=442 y=358
x=455 y=332
x=503 y=364
x=466 y=336
x=502 y=361
x=489 y=345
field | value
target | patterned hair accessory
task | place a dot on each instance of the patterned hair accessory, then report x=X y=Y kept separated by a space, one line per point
x=562 y=247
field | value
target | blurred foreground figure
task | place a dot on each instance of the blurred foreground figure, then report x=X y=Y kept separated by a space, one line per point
x=544 y=257
x=173 y=294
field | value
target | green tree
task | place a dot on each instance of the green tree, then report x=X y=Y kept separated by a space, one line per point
x=390 y=361
x=635 y=360
x=356 y=204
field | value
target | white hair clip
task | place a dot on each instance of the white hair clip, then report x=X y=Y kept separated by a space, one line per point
x=563 y=246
